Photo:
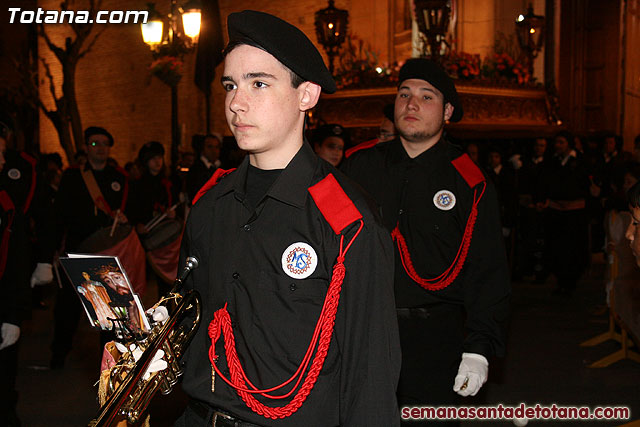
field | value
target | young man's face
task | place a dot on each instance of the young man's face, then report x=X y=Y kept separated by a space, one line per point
x=420 y=111
x=98 y=148
x=539 y=147
x=211 y=149
x=261 y=106
x=331 y=149
x=562 y=146
x=155 y=164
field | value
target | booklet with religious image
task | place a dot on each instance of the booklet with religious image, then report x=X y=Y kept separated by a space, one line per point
x=105 y=292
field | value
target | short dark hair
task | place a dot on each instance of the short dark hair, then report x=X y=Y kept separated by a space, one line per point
x=633 y=195
x=296 y=80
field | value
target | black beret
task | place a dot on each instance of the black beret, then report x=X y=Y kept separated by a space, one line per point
x=429 y=71
x=149 y=151
x=325 y=131
x=285 y=42
x=95 y=130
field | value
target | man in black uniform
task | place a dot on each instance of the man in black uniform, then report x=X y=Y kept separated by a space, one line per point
x=78 y=217
x=14 y=268
x=287 y=247
x=207 y=148
x=444 y=217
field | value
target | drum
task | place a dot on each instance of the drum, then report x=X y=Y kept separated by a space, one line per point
x=124 y=244
x=162 y=234
x=101 y=239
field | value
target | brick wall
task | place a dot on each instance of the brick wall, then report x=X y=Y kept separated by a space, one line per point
x=116 y=91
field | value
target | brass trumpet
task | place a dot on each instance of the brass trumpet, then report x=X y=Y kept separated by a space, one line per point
x=129 y=391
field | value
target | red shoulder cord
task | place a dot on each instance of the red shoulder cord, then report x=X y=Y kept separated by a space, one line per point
x=450 y=274
x=221 y=323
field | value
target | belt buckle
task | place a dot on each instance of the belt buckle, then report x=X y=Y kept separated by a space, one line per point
x=217 y=414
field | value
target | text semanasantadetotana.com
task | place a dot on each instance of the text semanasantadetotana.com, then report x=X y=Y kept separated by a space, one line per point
x=498 y=412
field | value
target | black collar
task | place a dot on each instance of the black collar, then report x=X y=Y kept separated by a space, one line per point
x=290 y=187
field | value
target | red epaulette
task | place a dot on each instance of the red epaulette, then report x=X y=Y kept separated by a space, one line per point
x=336 y=207
x=34 y=177
x=361 y=146
x=217 y=175
x=469 y=170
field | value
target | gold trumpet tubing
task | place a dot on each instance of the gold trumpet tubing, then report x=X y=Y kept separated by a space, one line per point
x=125 y=393
x=141 y=399
x=173 y=366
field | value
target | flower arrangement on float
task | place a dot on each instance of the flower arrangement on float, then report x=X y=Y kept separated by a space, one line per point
x=358 y=66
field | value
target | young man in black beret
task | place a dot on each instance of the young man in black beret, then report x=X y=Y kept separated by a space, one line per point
x=329 y=142
x=295 y=273
x=450 y=260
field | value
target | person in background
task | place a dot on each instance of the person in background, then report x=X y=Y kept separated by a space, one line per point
x=207 y=149
x=473 y=152
x=451 y=278
x=566 y=187
x=15 y=253
x=329 y=142
x=79 y=215
x=387 y=130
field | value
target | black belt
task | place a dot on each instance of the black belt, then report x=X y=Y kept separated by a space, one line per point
x=216 y=416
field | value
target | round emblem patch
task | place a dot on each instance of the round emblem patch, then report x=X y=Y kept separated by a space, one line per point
x=444 y=200
x=14 y=174
x=115 y=186
x=299 y=260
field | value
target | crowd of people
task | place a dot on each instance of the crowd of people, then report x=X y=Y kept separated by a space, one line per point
x=392 y=259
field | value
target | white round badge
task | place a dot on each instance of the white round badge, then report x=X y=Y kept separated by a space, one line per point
x=299 y=260
x=115 y=186
x=14 y=174
x=444 y=200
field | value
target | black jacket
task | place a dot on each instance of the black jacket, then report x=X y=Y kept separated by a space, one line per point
x=405 y=189
x=240 y=251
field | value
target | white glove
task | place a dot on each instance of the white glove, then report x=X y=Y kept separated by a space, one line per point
x=159 y=314
x=42 y=275
x=157 y=362
x=10 y=334
x=472 y=374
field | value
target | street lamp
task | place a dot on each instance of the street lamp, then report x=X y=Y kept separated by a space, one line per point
x=432 y=17
x=168 y=49
x=331 y=29
x=530 y=31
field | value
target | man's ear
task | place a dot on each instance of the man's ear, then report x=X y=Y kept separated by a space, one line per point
x=448 y=111
x=309 y=95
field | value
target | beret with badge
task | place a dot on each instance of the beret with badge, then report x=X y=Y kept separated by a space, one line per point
x=429 y=71
x=284 y=42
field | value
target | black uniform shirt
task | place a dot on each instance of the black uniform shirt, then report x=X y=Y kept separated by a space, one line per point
x=150 y=195
x=405 y=189
x=75 y=210
x=240 y=251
